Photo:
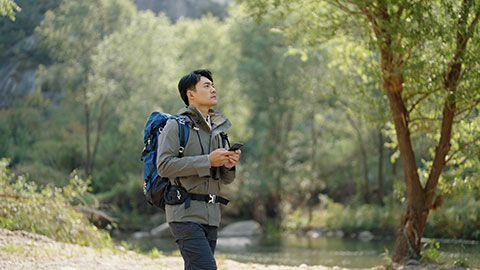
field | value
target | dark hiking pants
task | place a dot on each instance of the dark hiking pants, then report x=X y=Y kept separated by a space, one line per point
x=196 y=243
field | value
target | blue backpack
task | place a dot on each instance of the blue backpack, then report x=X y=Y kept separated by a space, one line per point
x=155 y=186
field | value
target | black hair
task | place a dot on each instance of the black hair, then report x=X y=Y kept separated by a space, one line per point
x=189 y=81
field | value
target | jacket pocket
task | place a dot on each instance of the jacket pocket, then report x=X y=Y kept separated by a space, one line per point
x=194 y=184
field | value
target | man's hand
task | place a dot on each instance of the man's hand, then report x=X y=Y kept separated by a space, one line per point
x=233 y=157
x=219 y=157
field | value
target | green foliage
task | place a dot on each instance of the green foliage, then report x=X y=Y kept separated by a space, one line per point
x=333 y=216
x=155 y=253
x=462 y=262
x=458 y=218
x=388 y=259
x=46 y=210
x=8 y=8
x=288 y=102
x=14 y=33
x=430 y=251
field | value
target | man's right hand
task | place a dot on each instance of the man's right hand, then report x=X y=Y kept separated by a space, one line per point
x=218 y=157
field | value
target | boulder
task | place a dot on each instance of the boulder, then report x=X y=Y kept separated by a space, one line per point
x=413 y=262
x=96 y=217
x=338 y=234
x=237 y=243
x=162 y=231
x=314 y=233
x=365 y=236
x=140 y=235
x=242 y=228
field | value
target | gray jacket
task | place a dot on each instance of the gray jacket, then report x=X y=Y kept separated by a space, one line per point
x=193 y=169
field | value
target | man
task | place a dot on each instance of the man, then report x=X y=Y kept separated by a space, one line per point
x=204 y=166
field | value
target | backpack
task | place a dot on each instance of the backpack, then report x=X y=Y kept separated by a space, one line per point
x=154 y=185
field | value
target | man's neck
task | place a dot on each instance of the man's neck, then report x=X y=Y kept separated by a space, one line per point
x=203 y=110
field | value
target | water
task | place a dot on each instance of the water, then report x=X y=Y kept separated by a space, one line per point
x=327 y=251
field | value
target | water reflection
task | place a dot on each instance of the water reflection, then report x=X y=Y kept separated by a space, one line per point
x=296 y=250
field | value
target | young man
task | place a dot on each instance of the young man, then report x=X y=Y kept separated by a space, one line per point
x=204 y=166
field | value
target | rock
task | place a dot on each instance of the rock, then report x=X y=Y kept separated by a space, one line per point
x=242 y=228
x=314 y=233
x=365 y=236
x=338 y=234
x=97 y=217
x=237 y=243
x=15 y=82
x=158 y=218
x=412 y=262
x=140 y=235
x=162 y=231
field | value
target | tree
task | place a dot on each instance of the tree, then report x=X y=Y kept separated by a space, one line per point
x=71 y=34
x=8 y=8
x=428 y=67
x=267 y=75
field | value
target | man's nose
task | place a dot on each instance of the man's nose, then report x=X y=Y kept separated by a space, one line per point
x=213 y=90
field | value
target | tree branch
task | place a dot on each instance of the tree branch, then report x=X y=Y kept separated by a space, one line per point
x=468 y=111
x=451 y=80
x=345 y=8
x=100 y=121
x=462 y=147
x=425 y=95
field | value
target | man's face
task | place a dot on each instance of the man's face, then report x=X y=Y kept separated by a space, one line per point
x=206 y=95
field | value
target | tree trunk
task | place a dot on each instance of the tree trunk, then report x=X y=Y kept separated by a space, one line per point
x=408 y=239
x=314 y=174
x=364 y=159
x=100 y=121
x=380 y=167
x=86 y=109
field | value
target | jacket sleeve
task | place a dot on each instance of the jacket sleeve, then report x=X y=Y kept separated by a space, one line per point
x=227 y=176
x=169 y=164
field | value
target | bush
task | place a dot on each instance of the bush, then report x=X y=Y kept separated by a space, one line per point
x=332 y=216
x=47 y=210
x=459 y=217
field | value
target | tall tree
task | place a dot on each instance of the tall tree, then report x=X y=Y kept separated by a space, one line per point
x=71 y=34
x=267 y=75
x=427 y=63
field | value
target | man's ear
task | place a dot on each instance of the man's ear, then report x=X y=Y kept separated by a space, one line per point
x=190 y=94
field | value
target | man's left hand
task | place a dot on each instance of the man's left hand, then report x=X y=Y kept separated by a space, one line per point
x=232 y=158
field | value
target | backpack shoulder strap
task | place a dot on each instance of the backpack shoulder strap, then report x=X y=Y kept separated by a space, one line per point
x=225 y=139
x=183 y=133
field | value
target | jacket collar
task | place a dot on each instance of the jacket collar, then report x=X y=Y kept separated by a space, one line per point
x=217 y=119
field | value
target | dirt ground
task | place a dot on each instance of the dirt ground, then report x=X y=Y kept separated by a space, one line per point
x=25 y=251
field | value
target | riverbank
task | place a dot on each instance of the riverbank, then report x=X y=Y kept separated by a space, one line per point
x=24 y=250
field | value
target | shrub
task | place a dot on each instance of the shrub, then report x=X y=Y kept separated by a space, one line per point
x=332 y=216
x=47 y=210
x=459 y=217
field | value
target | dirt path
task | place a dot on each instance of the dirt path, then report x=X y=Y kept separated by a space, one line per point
x=23 y=250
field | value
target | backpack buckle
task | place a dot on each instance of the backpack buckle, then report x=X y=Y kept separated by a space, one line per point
x=212 y=198
x=181 y=120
